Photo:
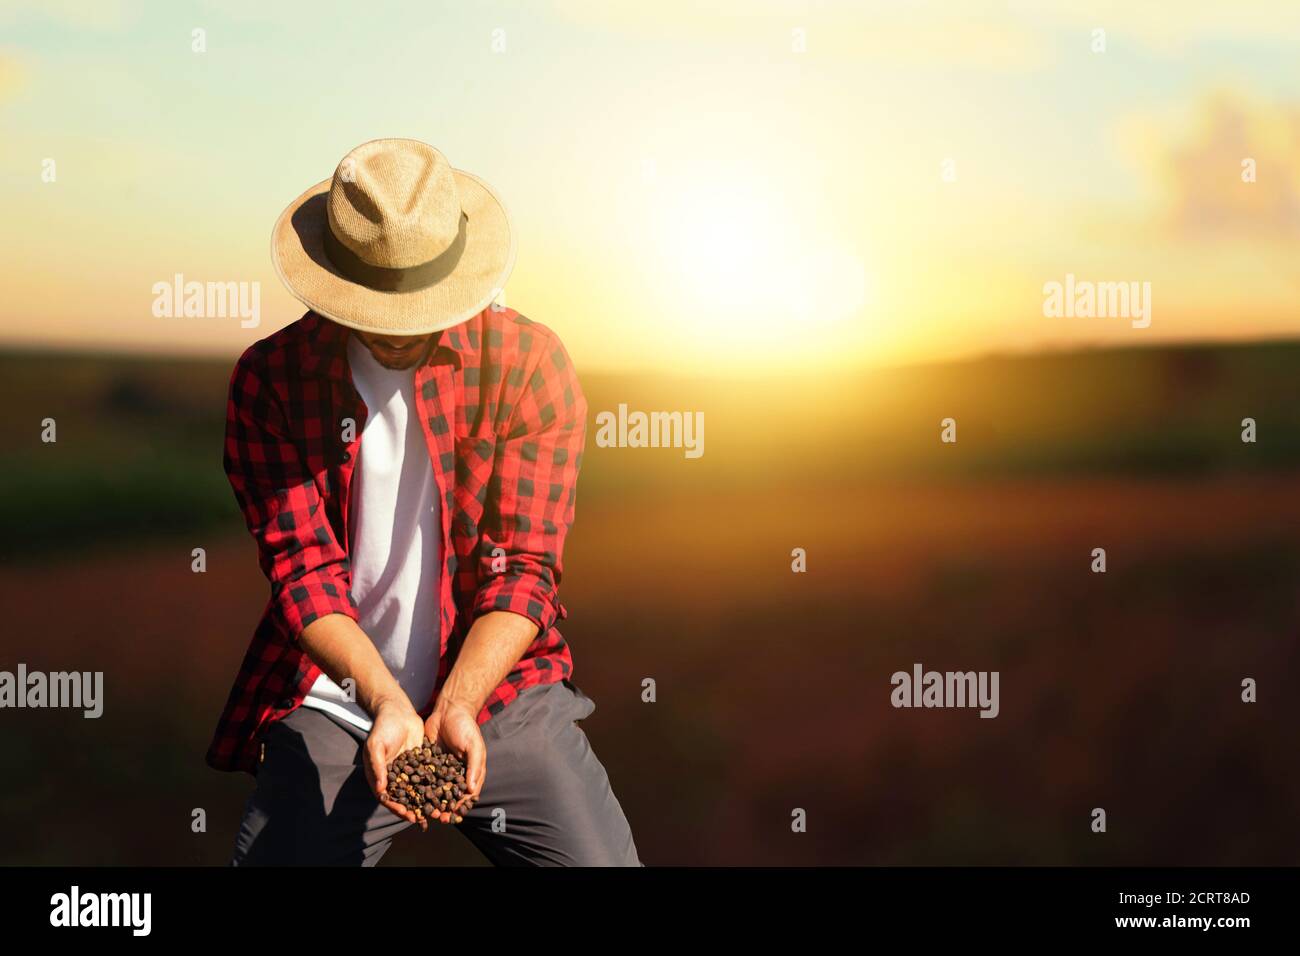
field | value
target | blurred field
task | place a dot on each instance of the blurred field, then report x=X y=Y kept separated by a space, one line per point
x=1118 y=690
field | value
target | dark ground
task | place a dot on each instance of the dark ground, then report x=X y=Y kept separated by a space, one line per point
x=1119 y=690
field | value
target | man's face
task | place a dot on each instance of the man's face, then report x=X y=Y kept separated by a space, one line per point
x=395 y=351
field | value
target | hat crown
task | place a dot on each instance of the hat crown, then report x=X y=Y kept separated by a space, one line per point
x=393 y=202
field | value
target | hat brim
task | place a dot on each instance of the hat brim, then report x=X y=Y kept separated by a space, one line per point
x=298 y=252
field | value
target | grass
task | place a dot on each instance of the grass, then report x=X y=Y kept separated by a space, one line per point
x=139 y=440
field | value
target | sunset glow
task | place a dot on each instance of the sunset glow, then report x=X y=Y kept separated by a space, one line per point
x=756 y=186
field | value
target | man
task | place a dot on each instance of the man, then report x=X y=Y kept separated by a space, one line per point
x=406 y=457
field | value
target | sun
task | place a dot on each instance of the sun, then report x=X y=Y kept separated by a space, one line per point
x=736 y=259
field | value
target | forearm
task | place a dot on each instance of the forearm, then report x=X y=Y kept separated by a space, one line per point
x=340 y=648
x=494 y=645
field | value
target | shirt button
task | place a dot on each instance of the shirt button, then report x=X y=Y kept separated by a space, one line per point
x=286 y=703
x=345 y=457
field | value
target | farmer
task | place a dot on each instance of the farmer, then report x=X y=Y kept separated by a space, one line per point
x=406 y=457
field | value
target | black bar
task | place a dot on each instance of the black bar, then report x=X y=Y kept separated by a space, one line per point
x=255 y=906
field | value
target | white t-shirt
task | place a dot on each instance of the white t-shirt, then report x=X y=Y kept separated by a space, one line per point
x=396 y=538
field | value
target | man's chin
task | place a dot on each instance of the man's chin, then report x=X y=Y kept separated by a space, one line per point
x=397 y=363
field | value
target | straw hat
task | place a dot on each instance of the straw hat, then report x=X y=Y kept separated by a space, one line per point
x=396 y=242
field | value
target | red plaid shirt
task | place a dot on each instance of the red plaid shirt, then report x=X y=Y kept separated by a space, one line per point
x=504 y=420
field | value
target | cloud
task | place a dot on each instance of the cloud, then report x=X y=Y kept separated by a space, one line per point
x=1203 y=171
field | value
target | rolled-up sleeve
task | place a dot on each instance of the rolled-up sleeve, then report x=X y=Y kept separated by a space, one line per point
x=282 y=506
x=533 y=490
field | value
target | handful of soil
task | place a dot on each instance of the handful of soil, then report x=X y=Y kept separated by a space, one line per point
x=428 y=780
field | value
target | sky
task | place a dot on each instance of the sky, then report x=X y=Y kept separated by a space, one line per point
x=726 y=187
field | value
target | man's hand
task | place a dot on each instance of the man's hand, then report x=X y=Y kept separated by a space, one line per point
x=456 y=728
x=495 y=643
x=397 y=727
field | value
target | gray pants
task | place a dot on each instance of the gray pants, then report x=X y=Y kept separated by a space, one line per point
x=546 y=792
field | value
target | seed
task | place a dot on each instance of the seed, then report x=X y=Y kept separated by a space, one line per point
x=428 y=781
